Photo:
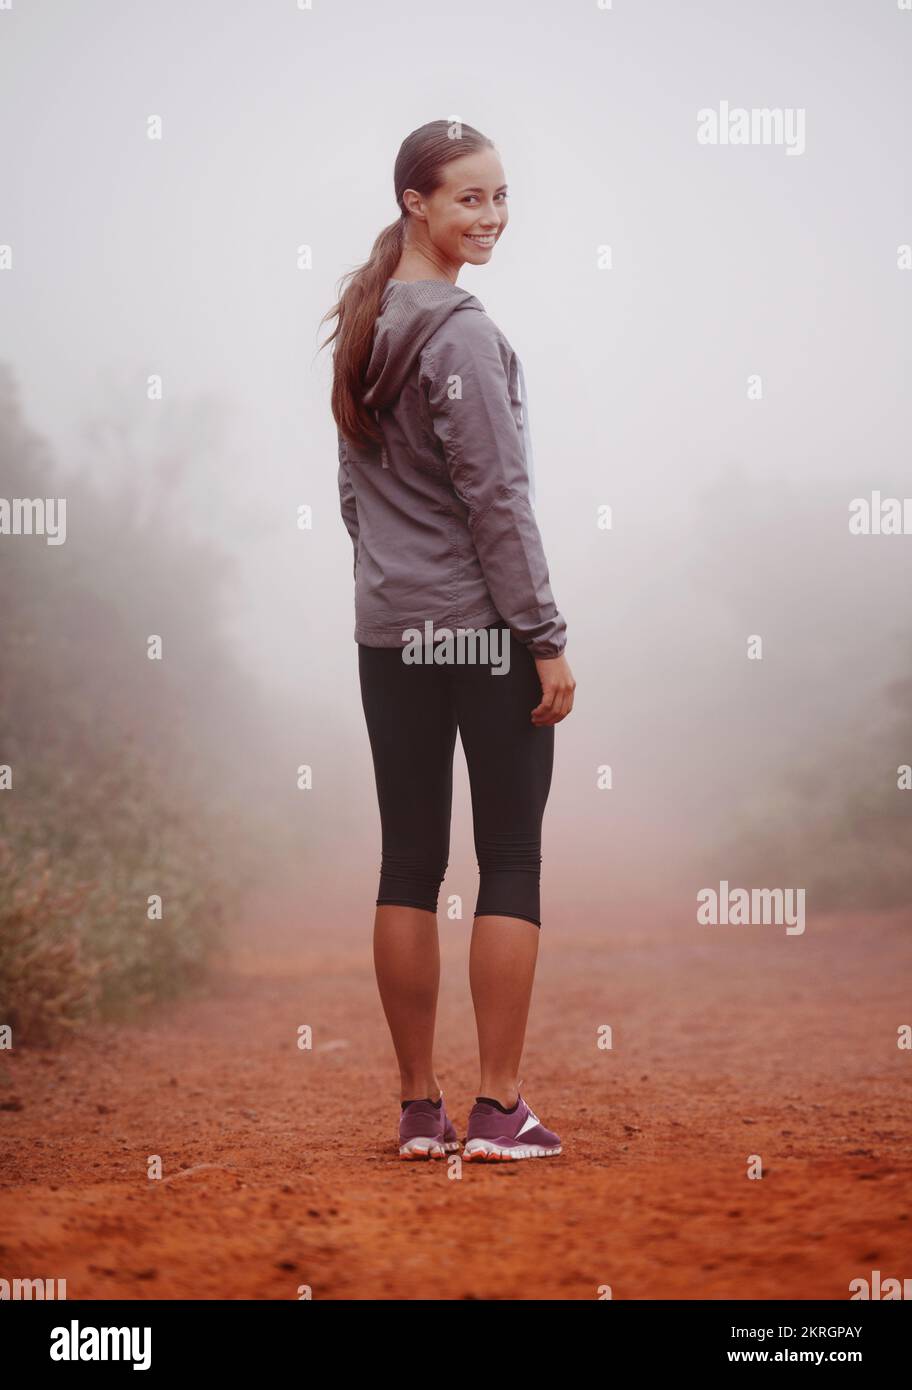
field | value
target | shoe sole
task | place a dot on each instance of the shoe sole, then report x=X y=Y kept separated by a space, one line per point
x=426 y=1148
x=486 y=1151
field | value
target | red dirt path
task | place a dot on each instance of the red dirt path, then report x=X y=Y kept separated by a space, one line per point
x=280 y=1165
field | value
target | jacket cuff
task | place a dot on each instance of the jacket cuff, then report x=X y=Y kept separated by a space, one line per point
x=547 y=650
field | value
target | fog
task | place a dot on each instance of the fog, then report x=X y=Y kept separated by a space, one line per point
x=208 y=257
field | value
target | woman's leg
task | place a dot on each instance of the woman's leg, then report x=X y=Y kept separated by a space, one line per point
x=407 y=965
x=502 y=959
x=411 y=724
x=510 y=763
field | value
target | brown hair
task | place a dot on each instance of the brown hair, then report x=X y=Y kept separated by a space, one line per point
x=422 y=155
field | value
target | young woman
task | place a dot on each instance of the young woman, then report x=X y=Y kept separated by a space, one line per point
x=436 y=491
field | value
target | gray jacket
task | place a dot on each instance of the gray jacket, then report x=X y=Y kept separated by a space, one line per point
x=441 y=515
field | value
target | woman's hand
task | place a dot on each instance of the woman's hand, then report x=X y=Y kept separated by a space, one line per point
x=557 y=685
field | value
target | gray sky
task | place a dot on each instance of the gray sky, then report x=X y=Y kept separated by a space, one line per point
x=280 y=128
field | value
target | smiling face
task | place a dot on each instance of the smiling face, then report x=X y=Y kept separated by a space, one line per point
x=464 y=218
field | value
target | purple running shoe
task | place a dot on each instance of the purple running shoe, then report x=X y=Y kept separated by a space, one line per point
x=425 y=1131
x=493 y=1136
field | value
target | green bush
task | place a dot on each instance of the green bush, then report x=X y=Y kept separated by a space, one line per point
x=122 y=779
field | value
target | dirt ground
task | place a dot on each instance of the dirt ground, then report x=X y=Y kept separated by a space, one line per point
x=280 y=1164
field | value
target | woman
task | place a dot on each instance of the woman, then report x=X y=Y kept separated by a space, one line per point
x=435 y=486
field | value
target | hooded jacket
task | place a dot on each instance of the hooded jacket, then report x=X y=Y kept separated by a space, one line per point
x=441 y=515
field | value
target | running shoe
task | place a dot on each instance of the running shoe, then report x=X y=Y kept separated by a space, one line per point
x=425 y=1131
x=493 y=1136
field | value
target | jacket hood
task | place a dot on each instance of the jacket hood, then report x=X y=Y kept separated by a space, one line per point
x=410 y=312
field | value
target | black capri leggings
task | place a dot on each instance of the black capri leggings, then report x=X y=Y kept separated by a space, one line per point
x=412 y=713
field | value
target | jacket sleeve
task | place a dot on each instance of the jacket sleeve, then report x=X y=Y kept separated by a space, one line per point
x=347 y=504
x=469 y=399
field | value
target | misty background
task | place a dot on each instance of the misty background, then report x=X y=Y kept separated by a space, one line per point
x=181 y=257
